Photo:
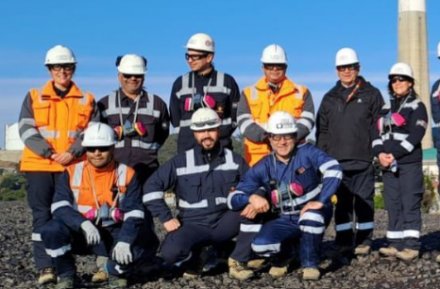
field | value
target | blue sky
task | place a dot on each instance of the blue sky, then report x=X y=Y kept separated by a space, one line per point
x=311 y=31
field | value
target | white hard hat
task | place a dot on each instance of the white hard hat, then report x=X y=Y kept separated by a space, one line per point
x=202 y=42
x=274 y=54
x=204 y=118
x=132 y=64
x=346 y=56
x=59 y=55
x=438 y=50
x=281 y=122
x=402 y=69
x=99 y=135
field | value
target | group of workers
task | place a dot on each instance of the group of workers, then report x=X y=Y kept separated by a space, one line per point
x=94 y=183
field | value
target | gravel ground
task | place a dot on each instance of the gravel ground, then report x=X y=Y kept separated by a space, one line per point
x=17 y=269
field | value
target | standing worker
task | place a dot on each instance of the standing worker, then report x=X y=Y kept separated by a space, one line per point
x=346 y=130
x=98 y=209
x=51 y=121
x=435 y=109
x=139 y=118
x=402 y=130
x=273 y=92
x=203 y=86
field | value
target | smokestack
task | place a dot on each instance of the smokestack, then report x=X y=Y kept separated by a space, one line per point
x=413 y=49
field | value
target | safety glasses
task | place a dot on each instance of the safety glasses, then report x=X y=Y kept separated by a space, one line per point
x=278 y=137
x=399 y=78
x=275 y=66
x=195 y=57
x=128 y=76
x=66 y=67
x=100 y=149
x=350 y=67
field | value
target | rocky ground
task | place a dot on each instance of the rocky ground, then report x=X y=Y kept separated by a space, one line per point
x=17 y=270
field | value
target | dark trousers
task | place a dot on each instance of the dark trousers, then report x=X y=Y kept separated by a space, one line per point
x=403 y=193
x=354 y=213
x=272 y=235
x=178 y=245
x=40 y=191
x=62 y=243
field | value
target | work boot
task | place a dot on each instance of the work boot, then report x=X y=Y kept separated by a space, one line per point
x=278 y=272
x=256 y=264
x=362 y=250
x=66 y=283
x=407 y=254
x=437 y=259
x=189 y=275
x=311 y=274
x=238 y=271
x=117 y=282
x=389 y=251
x=47 y=275
x=100 y=276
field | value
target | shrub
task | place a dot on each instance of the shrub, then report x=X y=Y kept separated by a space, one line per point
x=12 y=187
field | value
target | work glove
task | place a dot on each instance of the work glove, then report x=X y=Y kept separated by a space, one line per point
x=91 y=233
x=122 y=254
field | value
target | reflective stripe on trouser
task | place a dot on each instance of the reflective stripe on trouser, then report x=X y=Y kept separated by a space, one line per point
x=248 y=230
x=403 y=193
x=58 y=238
x=40 y=190
x=354 y=213
x=270 y=240
x=178 y=245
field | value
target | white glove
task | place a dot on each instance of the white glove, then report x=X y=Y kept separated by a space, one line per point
x=122 y=253
x=91 y=232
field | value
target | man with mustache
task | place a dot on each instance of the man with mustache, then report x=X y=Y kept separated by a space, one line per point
x=202 y=178
x=97 y=210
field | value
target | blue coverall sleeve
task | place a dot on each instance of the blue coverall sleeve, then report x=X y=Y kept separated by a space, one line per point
x=251 y=183
x=62 y=204
x=331 y=173
x=417 y=128
x=162 y=180
x=133 y=210
x=435 y=102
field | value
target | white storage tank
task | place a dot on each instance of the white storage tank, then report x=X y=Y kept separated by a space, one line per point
x=12 y=138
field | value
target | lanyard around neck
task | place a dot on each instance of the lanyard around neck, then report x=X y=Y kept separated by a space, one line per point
x=136 y=100
x=194 y=87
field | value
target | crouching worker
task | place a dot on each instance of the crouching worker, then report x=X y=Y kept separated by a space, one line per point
x=202 y=178
x=293 y=185
x=97 y=209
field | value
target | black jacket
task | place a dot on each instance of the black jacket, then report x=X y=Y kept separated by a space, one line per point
x=404 y=141
x=346 y=129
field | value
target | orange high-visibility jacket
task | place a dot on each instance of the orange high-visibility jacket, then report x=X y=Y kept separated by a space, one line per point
x=59 y=121
x=263 y=102
x=106 y=181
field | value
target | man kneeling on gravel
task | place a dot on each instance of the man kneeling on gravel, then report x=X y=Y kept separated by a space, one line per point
x=295 y=182
x=97 y=209
x=202 y=178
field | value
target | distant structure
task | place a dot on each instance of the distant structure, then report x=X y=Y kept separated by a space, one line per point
x=413 y=49
x=12 y=138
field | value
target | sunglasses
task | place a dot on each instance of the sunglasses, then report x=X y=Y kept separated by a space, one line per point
x=350 y=67
x=398 y=78
x=128 y=76
x=100 y=149
x=275 y=66
x=67 y=67
x=278 y=137
x=195 y=57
